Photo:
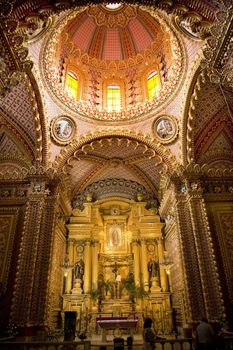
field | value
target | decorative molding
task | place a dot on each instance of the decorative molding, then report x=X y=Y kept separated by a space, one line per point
x=14 y=60
x=110 y=187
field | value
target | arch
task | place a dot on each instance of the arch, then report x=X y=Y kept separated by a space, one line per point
x=186 y=118
x=169 y=159
x=41 y=120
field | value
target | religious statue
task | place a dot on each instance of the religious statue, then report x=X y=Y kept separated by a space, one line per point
x=118 y=285
x=79 y=269
x=153 y=268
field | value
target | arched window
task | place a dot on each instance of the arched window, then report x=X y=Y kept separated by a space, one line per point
x=152 y=84
x=72 y=84
x=114 y=98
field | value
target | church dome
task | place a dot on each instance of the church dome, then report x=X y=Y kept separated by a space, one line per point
x=111 y=35
x=112 y=62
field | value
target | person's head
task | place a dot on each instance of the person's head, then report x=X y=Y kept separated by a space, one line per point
x=148 y=322
x=204 y=319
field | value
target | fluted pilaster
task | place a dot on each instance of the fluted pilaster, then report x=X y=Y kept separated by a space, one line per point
x=135 y=247
x=87 y=267
x=27 y=282
x=95 y=264
x=144 y=267
x=68 y=285
x=163 y=273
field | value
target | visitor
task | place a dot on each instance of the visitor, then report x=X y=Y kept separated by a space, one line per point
x=148 y=335
x=205 y=336
x=129 y=342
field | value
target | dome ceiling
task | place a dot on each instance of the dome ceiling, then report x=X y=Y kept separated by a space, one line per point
x=121 y=47
x=111 y=34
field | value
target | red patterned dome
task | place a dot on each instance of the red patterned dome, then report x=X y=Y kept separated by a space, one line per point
x=109 y=35
x=119 y=48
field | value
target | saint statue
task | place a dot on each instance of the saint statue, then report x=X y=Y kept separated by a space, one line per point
x=153 y=268
x=79 y=269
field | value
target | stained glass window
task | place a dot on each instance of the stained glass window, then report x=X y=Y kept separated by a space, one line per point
x=72 y=84
x=114 y=98
x=152 y=84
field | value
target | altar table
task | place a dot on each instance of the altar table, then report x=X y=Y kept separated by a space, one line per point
x=116 y=323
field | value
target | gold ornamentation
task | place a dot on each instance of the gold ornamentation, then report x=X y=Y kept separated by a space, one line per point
x=13 y=56
x=219 y=48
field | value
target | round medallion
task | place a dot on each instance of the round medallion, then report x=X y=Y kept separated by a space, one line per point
x=62 y=129
x=165 y=128
x=79 y=249
x=151 y=248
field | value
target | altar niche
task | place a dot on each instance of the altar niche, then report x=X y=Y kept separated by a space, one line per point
x=115 y=237
x=112 y=276
x=120 y=243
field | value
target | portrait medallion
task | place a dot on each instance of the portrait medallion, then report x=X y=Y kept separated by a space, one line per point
x=62 y=129
x=165 y=128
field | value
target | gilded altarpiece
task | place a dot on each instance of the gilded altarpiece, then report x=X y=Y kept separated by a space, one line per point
x=114 y=245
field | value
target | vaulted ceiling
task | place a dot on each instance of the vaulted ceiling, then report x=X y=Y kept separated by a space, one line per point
x=129 y=153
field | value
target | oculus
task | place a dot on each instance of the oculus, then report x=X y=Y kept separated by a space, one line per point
x=165 y=128
x=62 y=129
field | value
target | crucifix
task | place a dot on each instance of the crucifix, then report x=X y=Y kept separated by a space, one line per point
x=114 y=270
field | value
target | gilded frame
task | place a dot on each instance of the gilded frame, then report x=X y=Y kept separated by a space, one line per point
x=62 y=129
x=165 y=128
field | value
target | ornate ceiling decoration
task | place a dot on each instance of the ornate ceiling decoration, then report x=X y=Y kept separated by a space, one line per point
x=149 y=39
x=209 y=128
x=99 y=156
x=88 y=160
x=114 y=187
x=13 y=54
x=219 y=49
x=93 y=32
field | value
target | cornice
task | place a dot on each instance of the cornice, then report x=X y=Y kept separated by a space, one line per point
x=196 y=180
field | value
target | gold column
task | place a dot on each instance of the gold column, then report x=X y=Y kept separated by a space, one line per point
x=68 y=285
x=136 y=263
x=144 y=268
x=95 y=265
x=87 y=267
x=163 y=273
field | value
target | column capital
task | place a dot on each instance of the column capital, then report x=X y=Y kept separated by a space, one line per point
x=136 y=242
x=94 y=242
